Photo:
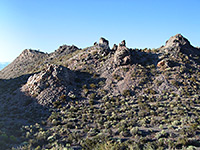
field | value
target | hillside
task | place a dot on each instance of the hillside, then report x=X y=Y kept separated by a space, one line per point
x=102 y=98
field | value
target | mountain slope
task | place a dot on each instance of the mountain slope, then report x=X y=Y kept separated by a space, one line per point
x=120 y=98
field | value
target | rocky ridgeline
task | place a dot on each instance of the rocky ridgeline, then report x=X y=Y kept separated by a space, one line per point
x=63 y=50
x=177 y=48
x=25 y=63
x=48 y=85
x=178 y=44
x=30 y=54
x=77 y=96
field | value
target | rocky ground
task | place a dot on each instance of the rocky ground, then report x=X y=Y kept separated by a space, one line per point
x=102 y=98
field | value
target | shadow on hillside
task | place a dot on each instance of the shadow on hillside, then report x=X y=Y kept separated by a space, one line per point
x=18 y=109
x=144 y=58
x=86 y=84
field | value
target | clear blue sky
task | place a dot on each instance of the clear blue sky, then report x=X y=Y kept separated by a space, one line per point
x=47 y=24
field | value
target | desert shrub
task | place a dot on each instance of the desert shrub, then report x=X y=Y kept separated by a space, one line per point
x=63 y=97
x=134 y=131
x=117 y=77
x=92 y=85
x=91 y=101
x=126 y=93
x=92 y=96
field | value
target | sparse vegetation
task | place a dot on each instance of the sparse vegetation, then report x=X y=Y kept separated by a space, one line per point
x=97 y=104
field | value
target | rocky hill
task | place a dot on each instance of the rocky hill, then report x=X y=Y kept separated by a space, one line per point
x=102 y=98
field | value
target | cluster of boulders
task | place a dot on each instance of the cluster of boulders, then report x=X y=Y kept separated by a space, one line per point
x=177 y=41
x=104 y=47
x=122 y=54
x=174 y=47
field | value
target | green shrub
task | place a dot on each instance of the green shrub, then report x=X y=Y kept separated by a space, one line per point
x=92 y=85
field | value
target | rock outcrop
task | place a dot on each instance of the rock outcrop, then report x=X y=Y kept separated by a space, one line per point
x=30 y=54
x=177 y=44
x=114 y=47
x=48 y=85
x=163 y=64
x=64 y=50
x=177 y=41
x=103 y=42
x=123 y=43
x=122 y=55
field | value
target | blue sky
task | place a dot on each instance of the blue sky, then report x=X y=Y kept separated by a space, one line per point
x=47 y=24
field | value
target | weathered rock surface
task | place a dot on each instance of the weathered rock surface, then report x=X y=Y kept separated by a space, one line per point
x=163 y=64
x=122 y=55
x=177 y=41
x=123 y=43
x=177 y=44
x=48 y=85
